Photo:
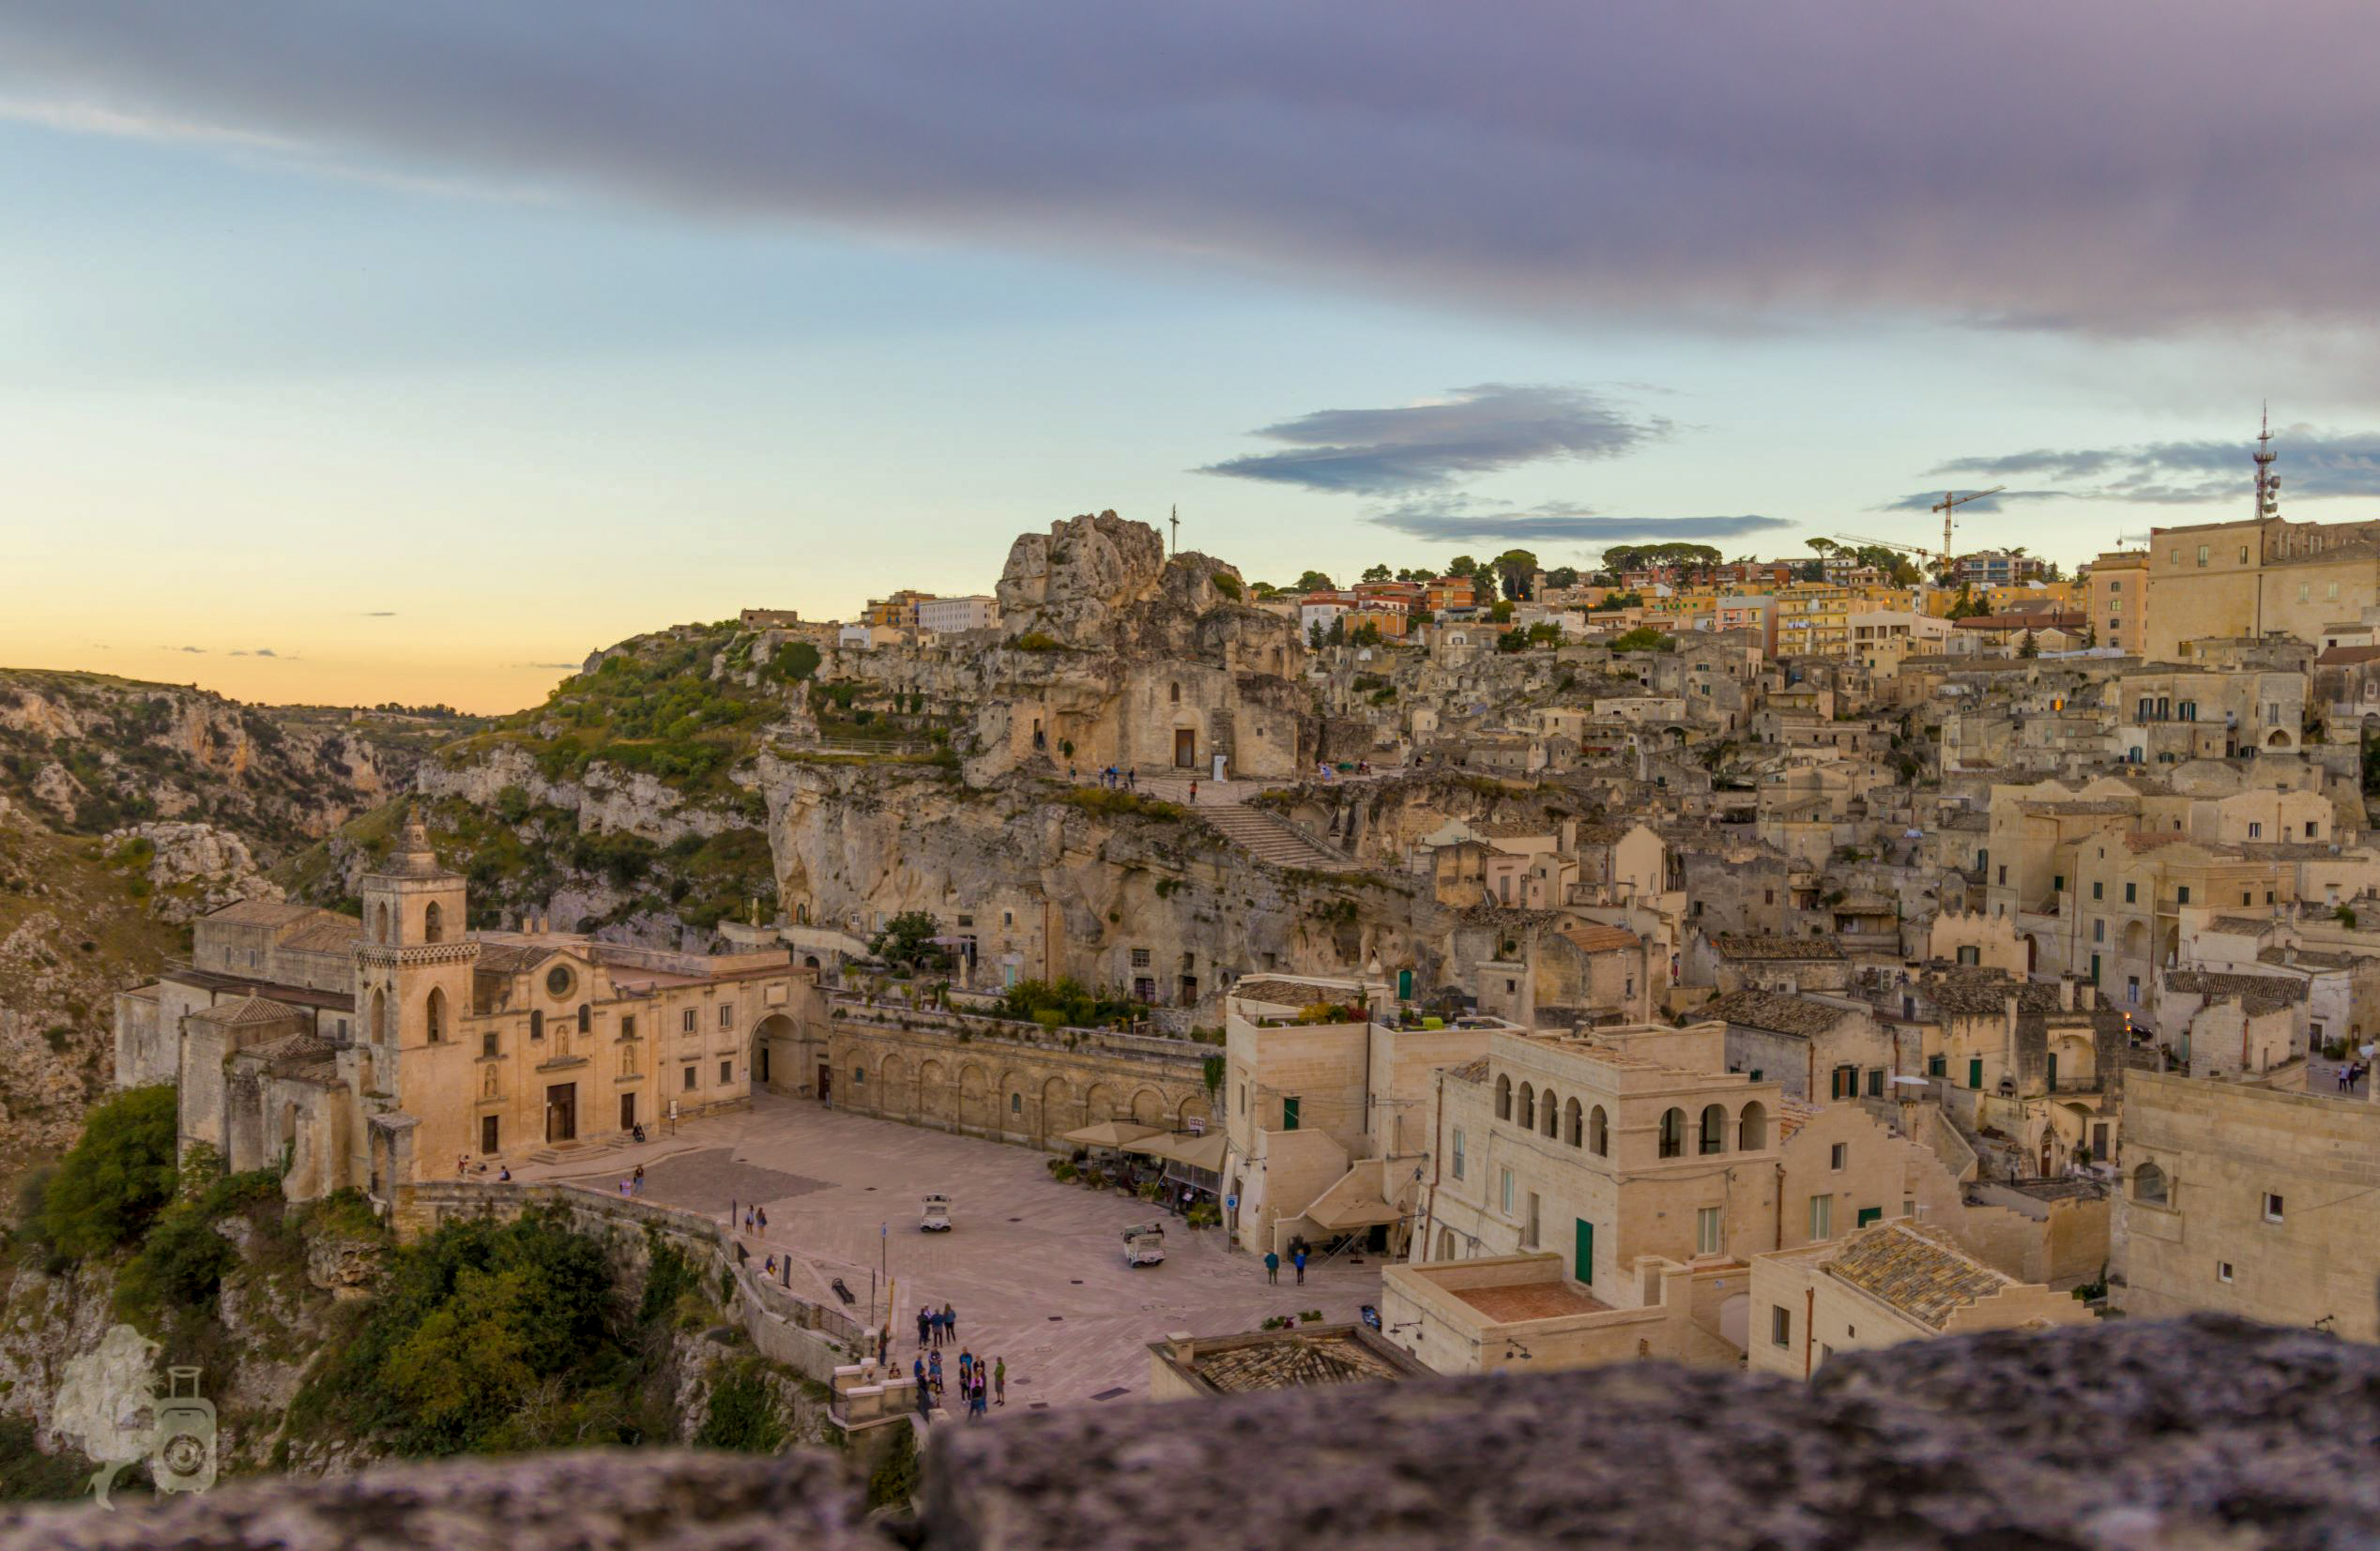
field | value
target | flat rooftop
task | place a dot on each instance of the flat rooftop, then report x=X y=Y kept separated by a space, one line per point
x=1530 y=1301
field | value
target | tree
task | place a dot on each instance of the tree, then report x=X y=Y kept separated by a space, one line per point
x=2027 y=645
x=1518 y=571
x=1462 y=565
x=908 y=940
x=1313 y=581
x=1421 y=616
x=1965 y=606
x=1375 y=574
x=1644 y=638
x=1412 y=573
x=1337 y=636
x=1366 y=634
x=1500 y=612
x=1314 y=635
x=1563 y=576
x=116 y=1177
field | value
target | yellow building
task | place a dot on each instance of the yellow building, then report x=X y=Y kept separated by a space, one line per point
x=2257 y=577
x=2118 y=592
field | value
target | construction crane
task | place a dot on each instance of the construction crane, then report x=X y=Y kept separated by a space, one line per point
x=1951 y=502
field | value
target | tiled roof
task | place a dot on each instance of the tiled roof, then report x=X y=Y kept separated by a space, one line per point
x=247 y=1011
x=510 y=958
x=333 y=934
x=1771 y=1011
x=2343 y=656
x=2308 y=958
x=2256 y=993
x=261 y=913
x=2255 y=926
x=1595 y=937
x=1470 y=1071
x=1500 y=828
x=1914 y=1271
x=1290 y=993
x=1732 y=946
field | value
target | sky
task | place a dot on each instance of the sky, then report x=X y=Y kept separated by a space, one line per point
x=412 y=351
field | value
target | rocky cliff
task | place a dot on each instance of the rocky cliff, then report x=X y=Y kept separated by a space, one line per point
x=2201 y=1434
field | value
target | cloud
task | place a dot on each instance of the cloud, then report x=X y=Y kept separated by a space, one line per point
x=1424 y=446
x=566 y=667
x=380 y=614
x=2311 y=463
x=194 y=651
x=1566 y=161
x=1459 y=522
x=1925 y=500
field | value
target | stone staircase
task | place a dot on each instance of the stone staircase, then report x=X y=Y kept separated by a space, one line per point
x=1269 y=838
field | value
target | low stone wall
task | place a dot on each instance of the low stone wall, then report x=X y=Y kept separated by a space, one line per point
x=791 y=1330
x=2196 y=1434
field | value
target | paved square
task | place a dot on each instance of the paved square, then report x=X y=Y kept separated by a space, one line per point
x=1035 y=1268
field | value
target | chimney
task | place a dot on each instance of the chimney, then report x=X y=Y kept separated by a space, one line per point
x=1177 y=1347
x=2065 y=992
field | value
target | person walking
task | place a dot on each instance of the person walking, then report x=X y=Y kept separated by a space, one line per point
x=1272 y=1267
x=966 y=1367
x=1194 y=794
x=921 y=1323
x=760 y=1212
x=933 y=1373
x=1132 y=779
x=639 y=1177
x=934 y=1325
x=1301 y=1268
x=949 y=1319
x=982 y=1413
x=1000 y=1381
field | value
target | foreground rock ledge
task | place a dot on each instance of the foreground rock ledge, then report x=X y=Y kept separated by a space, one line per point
x=2198 y=1432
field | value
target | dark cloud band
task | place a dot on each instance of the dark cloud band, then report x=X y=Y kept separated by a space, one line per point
x=1458 y=523
x=1470 y=432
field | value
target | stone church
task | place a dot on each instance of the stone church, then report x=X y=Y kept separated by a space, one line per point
x=401 y=1047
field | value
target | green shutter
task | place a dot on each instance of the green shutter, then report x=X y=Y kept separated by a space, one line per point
x=1974 y=1072
x=1582 y=1262
x=1870 y=1214
x=2053 y=1073
x=1288 y=1114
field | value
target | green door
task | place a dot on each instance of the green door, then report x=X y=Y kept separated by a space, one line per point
x=1582 y=1264
x=2053 y=1073
x=1974 y=1072
x=1870 y=1214
x=1405 y=986
x=1288 y=1114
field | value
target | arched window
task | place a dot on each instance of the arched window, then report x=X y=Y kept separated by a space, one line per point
x=537 y=1024
x=1552 y=1115
x=1574 y=1125
x=1445 y=1243
x=379 y=1014
x=1599 y=1132
x=435 y=1016
x=433 y=922
x=1672 y=1133
x=585 y=1019
x=1503 y=1097
x=2149 y=1184
x=1176 y=695
x=1714 y=1128
x=380 y=924
x=1751 y=1129
x=1527 y=1116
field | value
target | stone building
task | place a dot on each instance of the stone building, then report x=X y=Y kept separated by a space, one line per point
x=1817 y=1051
x=2259 y=577
x=2248 y=1198
x=443 y=1044
x=1885 y=1285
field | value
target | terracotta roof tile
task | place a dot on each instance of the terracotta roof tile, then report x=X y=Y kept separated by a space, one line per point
x=1915 y=1272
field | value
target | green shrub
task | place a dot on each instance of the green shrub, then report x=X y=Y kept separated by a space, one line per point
x=893 y=1482
x=116 y=1177
x=1037 y=641
x=744 y=1414
x=795 y=661
x=1225 y=584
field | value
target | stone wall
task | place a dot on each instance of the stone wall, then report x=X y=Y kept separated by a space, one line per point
x=2258 y=1437
x=1010 y=1082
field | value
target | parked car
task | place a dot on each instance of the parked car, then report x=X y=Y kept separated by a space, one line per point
x=935 y=1215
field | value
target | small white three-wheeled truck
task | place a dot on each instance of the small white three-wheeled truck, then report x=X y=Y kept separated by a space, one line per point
x=1145 y=1244
x=934 y=1214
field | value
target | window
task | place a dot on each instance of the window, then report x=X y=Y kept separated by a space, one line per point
x=859 y=1076
x=1574 y=1123
x=727 y=1073
x=2098 y=928
x=1875 y=1082
x=2149 y=1184
x=2131 y=988
x=2131 y=893
x=1505 y=1195
x=537 y=1024
x=1780 y=1324
x=1289 y=1113
x=1836 y=1155
x=1459 y=1152
x=487 y=1044
x=2201 y=557
x=1528 y=1115
x=687 y=1020
x=2181 y=894
x=628 y=1026
x=690 y=1079
x=2256 y=831
x=2222 y=1271
x=2173 y=557
x=2098 y=890
x=1713 y=1138
x=586 y=1017
x=1672 y=1133
x=1503 y=1097
x=2272 y=1208
x=435 y=1016
x=1971 y=955
x=1821 y=1217
x=2313 y=829
x=2004 y=871
x=433 y=922
x=727 y=1015
x=1706 y=1231
x=558 y=982
x=1016 y=1104
x=2057 y=883
x=1599 y=1132
x=1937 y=1066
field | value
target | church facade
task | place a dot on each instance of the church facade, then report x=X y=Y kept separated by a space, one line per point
x=401 y=1047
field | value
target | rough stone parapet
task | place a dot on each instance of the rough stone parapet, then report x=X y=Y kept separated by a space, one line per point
x=2203 y=1433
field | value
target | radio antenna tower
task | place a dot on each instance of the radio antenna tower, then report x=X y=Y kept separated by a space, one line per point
x=2268 y=482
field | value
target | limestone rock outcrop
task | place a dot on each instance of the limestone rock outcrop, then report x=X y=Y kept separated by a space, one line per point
x=195 y=869
x=2201 y=1434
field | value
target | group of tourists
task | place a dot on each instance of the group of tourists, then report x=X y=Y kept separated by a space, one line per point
x=981 y=1383
x=1116 y=780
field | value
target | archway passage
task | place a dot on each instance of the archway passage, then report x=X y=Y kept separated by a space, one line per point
x=775 y=1056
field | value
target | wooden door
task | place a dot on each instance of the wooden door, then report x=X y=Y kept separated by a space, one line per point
x=561 y=1113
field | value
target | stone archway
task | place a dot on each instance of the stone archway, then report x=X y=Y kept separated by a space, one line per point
x=974 y=1101
x=1099 y=1104
x=775 y=1056
x=1015 y=1115
x=1149 y=1107
x=893 y=1097
x=934 y=1095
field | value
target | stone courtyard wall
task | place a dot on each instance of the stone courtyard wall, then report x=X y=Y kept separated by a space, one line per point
x=1011 y=1082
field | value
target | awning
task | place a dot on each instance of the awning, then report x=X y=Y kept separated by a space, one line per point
x=1354 y=1201
x=1199 y=1152
x=1109 y=1133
